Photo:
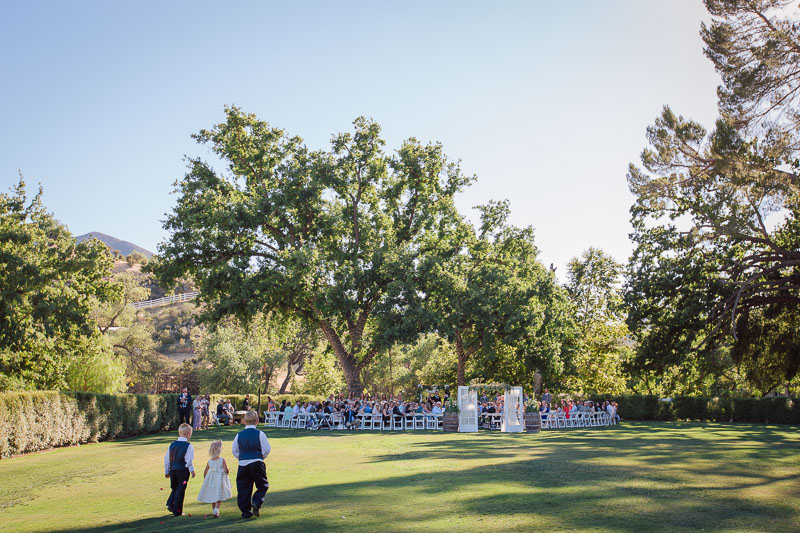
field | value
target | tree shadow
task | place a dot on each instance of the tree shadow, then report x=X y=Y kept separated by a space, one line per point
x=619 y=479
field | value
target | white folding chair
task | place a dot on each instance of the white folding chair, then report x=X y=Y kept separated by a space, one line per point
x=377 y=422
x=214 y=418
x=430 y=421
x=545 y=420
x=419 y=421
x=396 y=422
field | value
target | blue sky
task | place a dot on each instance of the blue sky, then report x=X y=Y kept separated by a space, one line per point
x=546 y=102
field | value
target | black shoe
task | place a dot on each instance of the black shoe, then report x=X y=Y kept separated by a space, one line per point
x=169 y=509
x=246 y=516
x=256 y=511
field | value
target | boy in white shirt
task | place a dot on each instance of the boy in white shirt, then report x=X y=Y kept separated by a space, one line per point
x=251 y=447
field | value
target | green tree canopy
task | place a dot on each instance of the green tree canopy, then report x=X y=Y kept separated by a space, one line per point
x=332 y=237
x=492 y=299
x=594 y=289
x=48 y=286
x=716 y=225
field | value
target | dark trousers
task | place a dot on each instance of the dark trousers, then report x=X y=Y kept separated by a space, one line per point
x=178 y=480
x=247 y=476
x=183 y=414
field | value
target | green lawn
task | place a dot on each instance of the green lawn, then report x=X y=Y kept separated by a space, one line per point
x=634 y=477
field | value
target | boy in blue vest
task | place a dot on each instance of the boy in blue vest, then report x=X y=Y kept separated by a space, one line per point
x=250 y=447
x=177 y=467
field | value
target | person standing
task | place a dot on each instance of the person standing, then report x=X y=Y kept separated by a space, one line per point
x=184 y=406
x=547 y=397
x=251 y=447
x=178 y=467
x=197 y=412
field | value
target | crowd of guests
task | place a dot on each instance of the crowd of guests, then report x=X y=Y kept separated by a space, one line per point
x=569 y=407
x=350 y=408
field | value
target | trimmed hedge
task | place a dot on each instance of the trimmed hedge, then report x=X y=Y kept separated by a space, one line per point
x=753 y=410
x=32 y=421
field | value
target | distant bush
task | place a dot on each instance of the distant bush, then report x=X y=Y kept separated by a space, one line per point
x=32 y=421
x=136 y=258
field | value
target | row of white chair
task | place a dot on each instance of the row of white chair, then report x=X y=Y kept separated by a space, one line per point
x=374 y=422
x=581 y=419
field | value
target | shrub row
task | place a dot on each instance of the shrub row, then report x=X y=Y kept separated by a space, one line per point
x=754 y=410
x=32 y=421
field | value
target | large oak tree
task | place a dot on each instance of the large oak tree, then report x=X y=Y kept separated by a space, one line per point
x=332 y=237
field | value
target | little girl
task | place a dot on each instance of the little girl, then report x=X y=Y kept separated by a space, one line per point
x=216 y=484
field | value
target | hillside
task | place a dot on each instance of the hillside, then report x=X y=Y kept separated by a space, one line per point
x=125 y=247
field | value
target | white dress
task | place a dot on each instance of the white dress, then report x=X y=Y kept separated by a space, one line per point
x=216 y=485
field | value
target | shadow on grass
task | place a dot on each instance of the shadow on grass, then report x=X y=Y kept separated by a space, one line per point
x=623 y=479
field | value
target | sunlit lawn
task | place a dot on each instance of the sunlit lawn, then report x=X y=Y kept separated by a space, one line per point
x=634 y=477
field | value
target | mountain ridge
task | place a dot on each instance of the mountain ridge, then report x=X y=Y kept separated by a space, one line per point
x=125 y=247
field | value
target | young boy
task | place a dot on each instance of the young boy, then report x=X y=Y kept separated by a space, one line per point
x=250 y=447
x=177 y=467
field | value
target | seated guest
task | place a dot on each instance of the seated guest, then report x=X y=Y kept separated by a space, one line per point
x=544 y=409
x=437 y=409
x=222 y=416
x=397 y=413
x=228 y=407
x=350 y=420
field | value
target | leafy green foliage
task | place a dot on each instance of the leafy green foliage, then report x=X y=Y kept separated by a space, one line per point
x=237 y=358
x=593 y=287
x=430 y=360
x=332 y=237
x=716 y=215
x=48 y=286
x=323 y=376
x=489 y=296
x=33 y=421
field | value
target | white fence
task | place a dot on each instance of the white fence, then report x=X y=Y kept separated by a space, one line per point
x=166 y=300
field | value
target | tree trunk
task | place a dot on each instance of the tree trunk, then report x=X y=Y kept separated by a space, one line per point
x=352 y=375
x=286 y=380
x=462 y=361
x=537 y=382
x=352 y=371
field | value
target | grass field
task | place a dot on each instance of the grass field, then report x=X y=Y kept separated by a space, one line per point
x=634 y=477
